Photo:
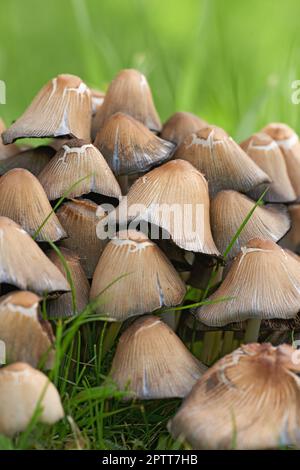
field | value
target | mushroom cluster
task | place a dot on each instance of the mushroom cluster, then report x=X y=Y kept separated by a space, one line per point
x=182 y=238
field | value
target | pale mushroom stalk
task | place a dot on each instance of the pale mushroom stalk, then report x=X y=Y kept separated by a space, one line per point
x=252 y=330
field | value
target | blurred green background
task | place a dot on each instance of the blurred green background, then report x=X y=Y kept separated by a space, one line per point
x=230 y=61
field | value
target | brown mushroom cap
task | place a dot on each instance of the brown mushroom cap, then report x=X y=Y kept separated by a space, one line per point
x=32 y=159
x=62 y=107
x=180 y=125
x=129 y=146
x=149 y=280
x=262 y=282
x=247 y=400
x=128 y=93
x=152 y=362
x=292 y=239
x=21 y=388
x=6 y=151
x=222 y=161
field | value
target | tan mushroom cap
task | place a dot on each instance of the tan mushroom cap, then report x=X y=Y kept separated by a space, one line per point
x=140 y=278
x=63 y=307
x=79 y=217
x=174 y=197
x=265 y=152
x=180 y=125
x=228 y=211
x=292 y=239
x=6 y=151
x=21 y=388
x=248 y=400
x=62 y=107
x=152 y=362
x=32 y=159
x=23 y=263
x=129 y=93
x=23 y=199
x=263 y=282
x=27 y=337
x=130 y=147
x=289 y=144
x=78 y=168
x=222 y=161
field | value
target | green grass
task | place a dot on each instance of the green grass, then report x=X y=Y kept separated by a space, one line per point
x=231 y=62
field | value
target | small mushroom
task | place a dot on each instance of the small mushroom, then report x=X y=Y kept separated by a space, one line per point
x=228 y=211
x=79 y=218
x=62 y=307
x=78 y=160
x=129 y=146
x=62 y=107
x=266 y=153
x=222 y=161
x=23 y=199
x=134 y=277
x=22 y=390
x=247 y=400
x=289 y=144
x=174 y=197
x=27 y=337
x=152 y=362
x=128 y=93
x=32 y=159
x=180 y=125
x=23 y=264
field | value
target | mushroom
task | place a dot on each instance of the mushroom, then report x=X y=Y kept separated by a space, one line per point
x=6 y=151
x=78 y=160
x=263 y=282
x=23 y=199
x=23 y=390
x=32 y=159
x=174 y=197
x=228 y=211
x=134 y=276
x=63 y=306
x=247 y=400
x=292 y=239
x=27 y=337
x=128 y=93
x=80 y=220
x=222 y=161
x=97 y=97
x=152 y=362
x=266 y=153
x=180 y=125
x=23 y=264
x=129 y=146
x=62 y=107
x=289 y=144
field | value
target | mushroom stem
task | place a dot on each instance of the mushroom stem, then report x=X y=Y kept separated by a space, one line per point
x=227 y=346
x=252 y=330
x=210 y=348
x=171 y=318
x=123 y=182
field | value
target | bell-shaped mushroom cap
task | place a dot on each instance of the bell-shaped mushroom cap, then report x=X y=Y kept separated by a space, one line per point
x=262 y=282
x=27 y=337
x=152 y=362
x=222 y=161
x=97 y=97
x=6 y=151
x=292 y=238
x=128 y=93
x=63 y=306
x=22 y=389
x=23 y=199
x=23 y=264
x=266 y=153
x=62 y=107
x=75 y=161
x=129 y=146
x=180 y=125
x=248 y=400
x=228 y=211
x=32 y=159
x=289 y=144
x=80 y=220
x=175 y=198
x=149 y=280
